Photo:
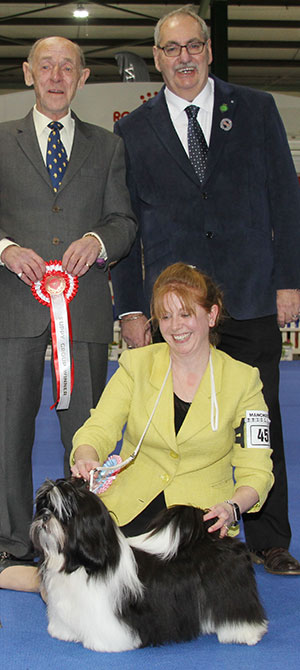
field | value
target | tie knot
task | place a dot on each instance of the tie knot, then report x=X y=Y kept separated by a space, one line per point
x=192 y=111
x=55 y=125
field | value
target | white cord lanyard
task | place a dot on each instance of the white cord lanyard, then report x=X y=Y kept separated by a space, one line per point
x=104 y=469
x=214 y=409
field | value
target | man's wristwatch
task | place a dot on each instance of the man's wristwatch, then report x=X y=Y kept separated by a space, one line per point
x=236 y=511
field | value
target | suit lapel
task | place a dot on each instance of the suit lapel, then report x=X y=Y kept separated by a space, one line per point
x=82 y=146
x=225 y=105
x=163 y=418
x=199 y=414
x=160 y=121
x=27 y=139
x=222 y=123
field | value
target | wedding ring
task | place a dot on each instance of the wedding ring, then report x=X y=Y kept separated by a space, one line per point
x=20 y=274
x=87 y=265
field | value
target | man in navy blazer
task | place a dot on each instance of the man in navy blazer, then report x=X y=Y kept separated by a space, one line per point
x=241 y=225
x=87 y=223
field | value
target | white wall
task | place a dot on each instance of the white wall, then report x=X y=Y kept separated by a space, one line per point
x=97 y=103
x=104 y=103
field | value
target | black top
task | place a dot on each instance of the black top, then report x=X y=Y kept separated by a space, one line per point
x=139 y=523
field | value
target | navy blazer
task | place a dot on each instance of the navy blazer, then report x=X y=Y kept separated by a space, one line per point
x=241 y=225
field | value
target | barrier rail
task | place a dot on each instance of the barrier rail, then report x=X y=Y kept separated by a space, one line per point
x=290 y=342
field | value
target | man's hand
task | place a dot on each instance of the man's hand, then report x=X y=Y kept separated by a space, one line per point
x=288 y=306
x=80 y=255
x=28 y=265
x=136 y=332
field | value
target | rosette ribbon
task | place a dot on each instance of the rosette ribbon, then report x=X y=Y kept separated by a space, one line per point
x=56 y=290
x=103 y=477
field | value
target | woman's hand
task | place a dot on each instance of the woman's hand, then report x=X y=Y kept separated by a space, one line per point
x=82 y=468
x=225 y=518
x=245 y=496
x=86 y=459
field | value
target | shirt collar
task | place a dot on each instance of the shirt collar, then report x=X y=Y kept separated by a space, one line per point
x=41 y=122
x=204 y=99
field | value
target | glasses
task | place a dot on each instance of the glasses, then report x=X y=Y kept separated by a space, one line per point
x=174 y=50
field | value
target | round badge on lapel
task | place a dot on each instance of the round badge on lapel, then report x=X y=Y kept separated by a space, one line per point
x=226 y=124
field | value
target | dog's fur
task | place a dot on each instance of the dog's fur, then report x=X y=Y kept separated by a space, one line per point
x=171 y=584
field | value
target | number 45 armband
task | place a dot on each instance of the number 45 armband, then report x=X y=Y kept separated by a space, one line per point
x=257 y=429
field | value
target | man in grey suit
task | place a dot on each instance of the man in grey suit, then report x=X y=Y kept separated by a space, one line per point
x=240 y=223
x=87 y=223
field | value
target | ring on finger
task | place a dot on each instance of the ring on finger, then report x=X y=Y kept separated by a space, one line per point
x=87 y=265
x=20 y=274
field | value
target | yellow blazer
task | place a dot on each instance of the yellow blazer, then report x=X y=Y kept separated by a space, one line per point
x=196 y=466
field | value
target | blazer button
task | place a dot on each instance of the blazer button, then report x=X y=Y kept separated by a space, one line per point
x=56 y=209
x=204 y=195
x=165 y=478
x=209 y=234
x=173 y=454
x=55 y=241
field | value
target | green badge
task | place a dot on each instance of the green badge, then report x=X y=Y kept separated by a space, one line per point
x=223 y=107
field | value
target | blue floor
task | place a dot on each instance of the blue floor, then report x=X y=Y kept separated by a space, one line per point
x=26 y=645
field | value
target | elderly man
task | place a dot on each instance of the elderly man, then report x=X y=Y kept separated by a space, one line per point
x=80 y=214
x=213 y=184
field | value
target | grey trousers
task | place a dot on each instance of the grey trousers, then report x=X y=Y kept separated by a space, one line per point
x=22 y=369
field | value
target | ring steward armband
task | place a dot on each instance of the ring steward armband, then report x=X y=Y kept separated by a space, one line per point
x=257 y=429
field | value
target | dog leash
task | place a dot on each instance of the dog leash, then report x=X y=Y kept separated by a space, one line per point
x=105 y=470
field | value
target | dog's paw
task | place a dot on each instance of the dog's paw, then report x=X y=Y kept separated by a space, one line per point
x=242 y=633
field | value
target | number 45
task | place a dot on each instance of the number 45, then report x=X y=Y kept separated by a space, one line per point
x=263 y=434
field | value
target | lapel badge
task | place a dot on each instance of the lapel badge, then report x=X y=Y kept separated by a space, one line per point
x=226 y=124
x=223 y=107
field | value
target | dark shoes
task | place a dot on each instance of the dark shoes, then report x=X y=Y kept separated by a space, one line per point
x=8 y=561
x=277 y=561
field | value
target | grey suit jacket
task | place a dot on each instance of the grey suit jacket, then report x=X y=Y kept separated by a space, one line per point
x=93 y=197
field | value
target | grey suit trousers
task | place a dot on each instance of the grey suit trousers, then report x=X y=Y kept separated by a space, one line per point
x=20 y=396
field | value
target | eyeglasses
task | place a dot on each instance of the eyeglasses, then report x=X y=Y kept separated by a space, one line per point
x=174 y=50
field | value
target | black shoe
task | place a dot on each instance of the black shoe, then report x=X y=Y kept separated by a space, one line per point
x=277 y=561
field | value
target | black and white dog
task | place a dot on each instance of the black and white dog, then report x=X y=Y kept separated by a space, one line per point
x=112 y=593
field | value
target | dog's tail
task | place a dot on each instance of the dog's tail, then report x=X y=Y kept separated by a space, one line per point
x=175 y=528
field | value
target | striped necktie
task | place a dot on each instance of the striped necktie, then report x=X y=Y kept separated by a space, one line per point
x=196 y=142
x=57 y=161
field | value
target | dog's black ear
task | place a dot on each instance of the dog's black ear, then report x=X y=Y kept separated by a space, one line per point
x=91 y=538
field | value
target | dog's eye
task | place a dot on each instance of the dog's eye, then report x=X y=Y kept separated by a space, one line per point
x=46 y=516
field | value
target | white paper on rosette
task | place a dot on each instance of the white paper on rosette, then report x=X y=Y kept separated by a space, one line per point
x=60 y=315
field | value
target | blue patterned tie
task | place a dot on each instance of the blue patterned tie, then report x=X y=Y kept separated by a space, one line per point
x=196 y=142
x=57 y=161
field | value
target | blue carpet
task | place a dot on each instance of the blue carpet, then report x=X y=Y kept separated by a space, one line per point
x=26 y=645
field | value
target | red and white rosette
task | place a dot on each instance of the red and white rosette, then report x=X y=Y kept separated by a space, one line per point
x=56 y=290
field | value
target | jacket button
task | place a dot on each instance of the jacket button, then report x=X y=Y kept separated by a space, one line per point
x=55 y=241
x=209 y=235
x=173 y=454
x=165 y=478
x=56 y=209
x=204 y=195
